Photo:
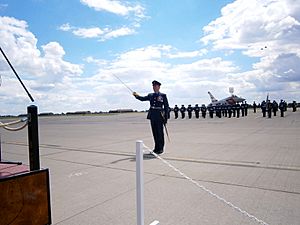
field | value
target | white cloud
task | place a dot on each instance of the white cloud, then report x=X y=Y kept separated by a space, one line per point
x=65 y=27
x=117 y=7
x=43 y=72
x=133 y=12
x=191 y=54
x=123 y=31
x=96 y=32
x=88 y=32
x=265 y=29
x=245 y=23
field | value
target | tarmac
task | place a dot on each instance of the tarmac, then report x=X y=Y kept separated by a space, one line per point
x=251 y=162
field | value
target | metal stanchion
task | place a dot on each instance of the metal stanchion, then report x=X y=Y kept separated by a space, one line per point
x=139 y=183
x=33 y=138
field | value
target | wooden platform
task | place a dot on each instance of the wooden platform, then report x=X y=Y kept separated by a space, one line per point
x=7 y=170
x=24 y=196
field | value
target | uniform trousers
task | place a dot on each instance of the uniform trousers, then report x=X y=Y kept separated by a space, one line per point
x=157 y=127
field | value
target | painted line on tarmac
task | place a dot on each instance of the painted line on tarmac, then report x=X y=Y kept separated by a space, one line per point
x=180 y=159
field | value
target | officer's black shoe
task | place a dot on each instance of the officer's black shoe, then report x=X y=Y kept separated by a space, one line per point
x=159 y=152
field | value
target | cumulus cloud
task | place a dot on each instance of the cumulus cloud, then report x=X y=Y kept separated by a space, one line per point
x=88 y=32
x=265 y=29
x=43 y=72
x=117 y=7
x=135 y=13
x=98 y=33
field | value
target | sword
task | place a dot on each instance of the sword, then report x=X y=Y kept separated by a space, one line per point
x=167 y=132
x=123 y=83
x=165 y=127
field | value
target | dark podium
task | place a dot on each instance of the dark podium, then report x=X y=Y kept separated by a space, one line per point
x=25 y=190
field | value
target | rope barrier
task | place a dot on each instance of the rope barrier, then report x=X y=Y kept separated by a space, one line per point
x=250 y=216
x=6 y=125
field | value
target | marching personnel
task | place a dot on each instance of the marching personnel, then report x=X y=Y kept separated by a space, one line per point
x=189 y=110
x=294 y=105
x=243 y=109
x=197 y=110
x=157 y=114
x=182 y=111
x=263 y=107
x=246 y=108
x=229 y=108
x=238 y=108
x=285 y=105
x=225 y=109
x=281 y=108
x=275 y=107
x=269 y=109
x=176 y=110
x=203 y=111
x=254 y=107
x=218 y=111
x=210 y=109
x=233 y=110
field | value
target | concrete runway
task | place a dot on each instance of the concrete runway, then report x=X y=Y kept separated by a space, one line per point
x=252 y=162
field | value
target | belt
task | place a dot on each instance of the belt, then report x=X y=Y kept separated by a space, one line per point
x=153 y=107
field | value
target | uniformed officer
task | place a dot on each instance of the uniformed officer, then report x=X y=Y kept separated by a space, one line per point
x=218 y=110
x=182 y=111
x=243 y=109
x=176 y=110
x=263 y=107
x=281 y=108
x=233 y=110
x=203 y=111
x=246 y=108
x=269 y=108
x=210 y=109
x=275 y=107
x=225 y=109
x=254 y=107
x=237 y=108
x=229 y=109
x=285 y=105
x=294 y=106
x=157 y=114
x=197 y=110
x=189 y=110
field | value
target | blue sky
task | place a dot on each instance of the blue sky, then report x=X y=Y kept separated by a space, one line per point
x=67 y=51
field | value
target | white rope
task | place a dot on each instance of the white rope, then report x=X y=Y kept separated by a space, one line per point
x=207 y=190
x=6 y=125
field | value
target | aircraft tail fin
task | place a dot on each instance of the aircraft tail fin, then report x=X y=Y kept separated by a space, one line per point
x=213 y=99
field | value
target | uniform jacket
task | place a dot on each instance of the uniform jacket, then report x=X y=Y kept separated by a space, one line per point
x=159 y=106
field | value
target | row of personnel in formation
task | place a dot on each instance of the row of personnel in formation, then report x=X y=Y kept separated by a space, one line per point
x=235 y=110
x=229 y=111
x=269 y=107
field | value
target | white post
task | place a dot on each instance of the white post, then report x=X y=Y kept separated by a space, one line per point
x=139 y=183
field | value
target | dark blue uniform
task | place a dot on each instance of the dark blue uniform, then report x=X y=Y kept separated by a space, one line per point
x=157 y=115
x=197 y=110
x=176 y=110
x=189 y=110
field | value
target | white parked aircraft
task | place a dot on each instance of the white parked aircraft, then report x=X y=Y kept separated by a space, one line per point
x=231 y=100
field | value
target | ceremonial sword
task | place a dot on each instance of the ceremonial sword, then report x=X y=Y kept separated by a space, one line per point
x=123 y=83
x=165 y=127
